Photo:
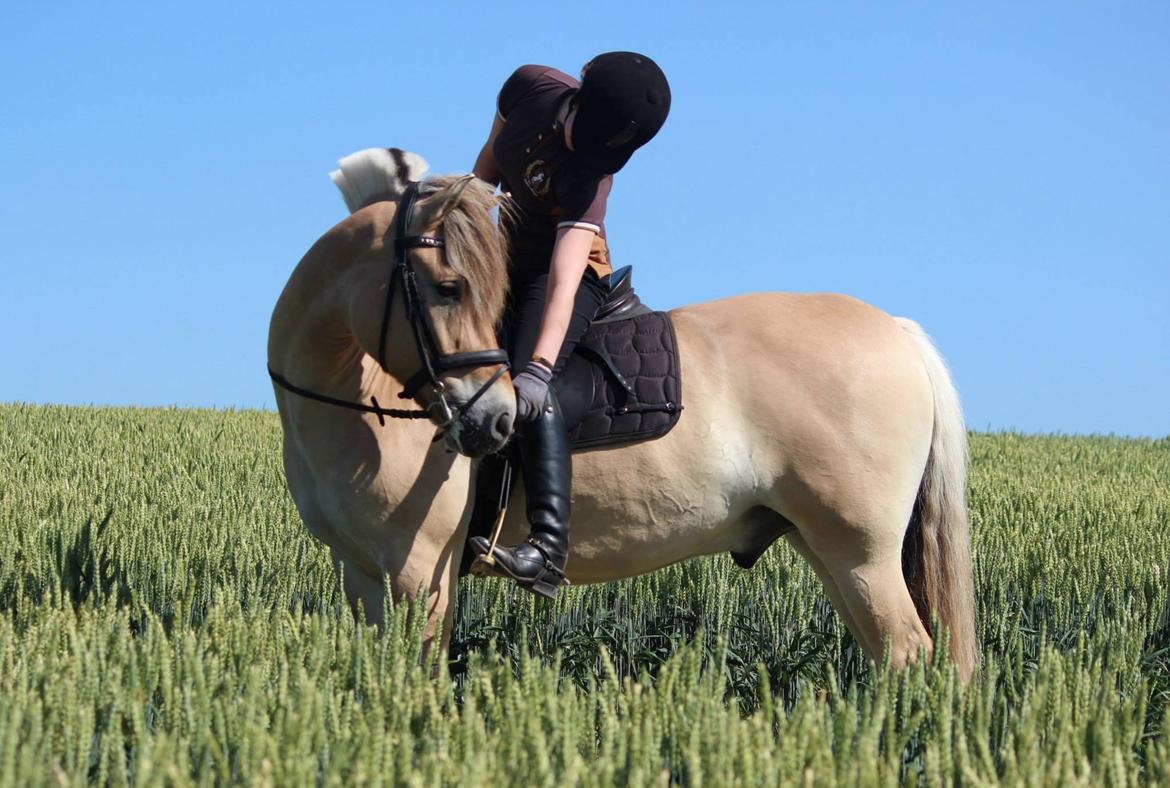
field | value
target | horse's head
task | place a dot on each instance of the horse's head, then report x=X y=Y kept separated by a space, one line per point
x=448 y=283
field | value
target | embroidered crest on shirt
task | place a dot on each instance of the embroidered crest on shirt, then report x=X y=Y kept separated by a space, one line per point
x=537 y=177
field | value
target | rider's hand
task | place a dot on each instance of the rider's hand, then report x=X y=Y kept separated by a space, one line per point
x=531 y=391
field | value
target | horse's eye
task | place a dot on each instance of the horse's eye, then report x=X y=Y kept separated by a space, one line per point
x=449 y=291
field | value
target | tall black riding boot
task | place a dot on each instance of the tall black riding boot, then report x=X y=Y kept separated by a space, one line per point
x=538 y=563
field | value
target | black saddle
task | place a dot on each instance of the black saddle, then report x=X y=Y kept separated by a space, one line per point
x=623 y=383
x=622 y=302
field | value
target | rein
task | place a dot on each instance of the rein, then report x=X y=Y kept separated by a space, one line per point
x=433 y=363
x=374 y=407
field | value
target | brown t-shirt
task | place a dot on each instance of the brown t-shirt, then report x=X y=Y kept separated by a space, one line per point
x=546 y=180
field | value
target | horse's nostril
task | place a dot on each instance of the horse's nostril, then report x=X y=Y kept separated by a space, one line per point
x=503 y=426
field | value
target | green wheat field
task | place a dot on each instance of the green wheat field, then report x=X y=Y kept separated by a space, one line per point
x=166 y=619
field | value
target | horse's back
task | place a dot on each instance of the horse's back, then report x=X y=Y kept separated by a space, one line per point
x=822 y=375
x=796 y=320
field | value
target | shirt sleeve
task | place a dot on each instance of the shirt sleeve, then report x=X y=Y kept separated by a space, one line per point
x=582 y=204
x=515 y=87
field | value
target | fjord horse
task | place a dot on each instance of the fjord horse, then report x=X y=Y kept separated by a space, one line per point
x=815 y=417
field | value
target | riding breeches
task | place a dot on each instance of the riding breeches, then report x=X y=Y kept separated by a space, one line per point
x=526 y=309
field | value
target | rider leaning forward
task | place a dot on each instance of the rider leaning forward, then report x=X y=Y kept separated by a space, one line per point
x=555 y=145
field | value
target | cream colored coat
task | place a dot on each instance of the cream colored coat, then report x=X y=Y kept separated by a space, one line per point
x=813 y=416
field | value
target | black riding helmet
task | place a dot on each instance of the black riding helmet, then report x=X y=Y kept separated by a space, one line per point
x=623 y=101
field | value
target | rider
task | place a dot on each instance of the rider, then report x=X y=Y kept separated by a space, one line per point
x=555 y=145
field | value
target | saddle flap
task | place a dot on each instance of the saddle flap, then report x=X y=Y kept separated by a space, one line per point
x=624 y=382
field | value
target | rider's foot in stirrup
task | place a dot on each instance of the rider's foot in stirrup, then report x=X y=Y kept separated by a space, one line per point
x=534 y=565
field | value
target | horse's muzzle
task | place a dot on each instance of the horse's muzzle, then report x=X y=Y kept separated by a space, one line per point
x=481 y=433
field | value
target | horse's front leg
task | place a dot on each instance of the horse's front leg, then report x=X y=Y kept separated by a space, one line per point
x=410 y=546
x=363 y=589
x=433 y=570
x=435 y=576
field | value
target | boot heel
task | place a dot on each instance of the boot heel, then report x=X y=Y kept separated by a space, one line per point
x=544 y=588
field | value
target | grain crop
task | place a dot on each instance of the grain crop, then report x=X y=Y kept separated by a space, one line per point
x=165 y=619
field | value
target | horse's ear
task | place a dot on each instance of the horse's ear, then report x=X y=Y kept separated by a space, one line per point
x=441 y=204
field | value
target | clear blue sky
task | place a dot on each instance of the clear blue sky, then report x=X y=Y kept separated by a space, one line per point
x=1001 y=173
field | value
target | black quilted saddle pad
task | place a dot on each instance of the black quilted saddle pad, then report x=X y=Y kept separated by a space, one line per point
x=623 y=383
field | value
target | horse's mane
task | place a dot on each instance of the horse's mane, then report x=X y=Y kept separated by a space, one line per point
x=462 y=207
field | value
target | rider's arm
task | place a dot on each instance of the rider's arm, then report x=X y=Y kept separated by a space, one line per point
x=569 y=258
x=485 y=164
x=515 y=88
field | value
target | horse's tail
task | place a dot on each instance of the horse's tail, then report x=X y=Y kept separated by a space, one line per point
x=376 y=174
x=936 y=555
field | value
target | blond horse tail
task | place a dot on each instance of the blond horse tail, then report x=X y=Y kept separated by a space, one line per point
x=376 y=174
x=936 y=557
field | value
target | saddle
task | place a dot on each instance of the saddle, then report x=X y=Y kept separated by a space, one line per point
x=623 y=383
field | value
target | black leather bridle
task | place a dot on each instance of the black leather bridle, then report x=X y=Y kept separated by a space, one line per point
x=433 y=363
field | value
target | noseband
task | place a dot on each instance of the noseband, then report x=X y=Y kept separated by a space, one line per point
x=433 y=362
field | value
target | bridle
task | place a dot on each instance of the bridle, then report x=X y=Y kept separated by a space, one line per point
x=433 y=363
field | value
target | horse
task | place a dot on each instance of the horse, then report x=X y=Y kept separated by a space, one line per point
x=813 y=417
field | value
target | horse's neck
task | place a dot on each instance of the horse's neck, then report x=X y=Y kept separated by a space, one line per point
x=313 y=345
x=312 y=342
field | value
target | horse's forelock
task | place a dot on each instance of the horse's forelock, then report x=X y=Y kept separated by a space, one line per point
x=475 y=246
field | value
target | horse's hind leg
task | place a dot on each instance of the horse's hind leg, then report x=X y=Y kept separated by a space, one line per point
x=877 y=597
x=865 y=565
x=827 y=581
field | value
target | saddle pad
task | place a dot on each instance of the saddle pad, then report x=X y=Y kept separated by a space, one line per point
x=623 y=383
